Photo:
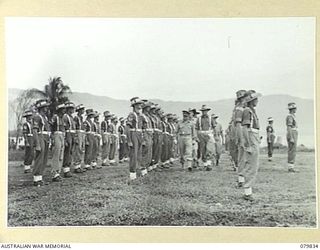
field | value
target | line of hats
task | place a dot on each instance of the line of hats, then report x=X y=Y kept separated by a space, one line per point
x=247 y=96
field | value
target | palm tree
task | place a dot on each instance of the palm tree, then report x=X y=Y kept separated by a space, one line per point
x=56 y=92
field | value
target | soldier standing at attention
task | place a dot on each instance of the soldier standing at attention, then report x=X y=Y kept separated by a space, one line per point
x=97 y=138
x=122 y=141
x=270 y=138
x=218 y=137
x=135 y=123
x=292 y=136
x=195 y=143
x=113 y=139
x=186 y=134
x=238 y=149
x=88 y=127
x=147 y=138
x=172 y=138
x=28 y=141
x=165 y=141
x=69 y=139
x=204 y=126
x=41 y=136
x=79 y=141
x=160 y=138
x=251 y=141
x=58 y=133
x=105 y=138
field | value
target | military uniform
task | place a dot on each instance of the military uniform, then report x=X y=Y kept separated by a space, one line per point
x=204 y=126
x=270 y=138
x=89 y=141
x=41 y=135
x=157 y=137
x=28 y=139
x=112 y=130
x=172 y=139
x=97 y=139
x=186 y=133
x=79 y=140
x=251 y=143
x=196 y=153
x=69 y=139
x=147 y=142
x=292 y=136
x=135 y=122
x=218 y=137
x=106 y=138
x=165 y=142
x=123 y=146
x=58 y=134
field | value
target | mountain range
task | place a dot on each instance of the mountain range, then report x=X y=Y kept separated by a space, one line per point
x=269 y=105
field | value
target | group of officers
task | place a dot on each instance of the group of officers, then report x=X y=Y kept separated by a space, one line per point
x=149 y=139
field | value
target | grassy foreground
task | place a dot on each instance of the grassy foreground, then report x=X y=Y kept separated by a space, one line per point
x=171 y=197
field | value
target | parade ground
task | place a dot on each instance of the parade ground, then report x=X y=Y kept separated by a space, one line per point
x=172 y=197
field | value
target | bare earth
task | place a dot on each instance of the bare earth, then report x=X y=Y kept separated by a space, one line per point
x=171 y=197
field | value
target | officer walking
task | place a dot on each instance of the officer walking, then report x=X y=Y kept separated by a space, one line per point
x=112 y=129
x=58 y=134
x=251 y=141
x=204 y=126
x=270 y=138
x=28 y=141
x=97 y=139
x=69 y=139
x=41 y=135
x=195 y=143
x=218 y=137
x=186 y=134
x=79 y=141
x=292 y=136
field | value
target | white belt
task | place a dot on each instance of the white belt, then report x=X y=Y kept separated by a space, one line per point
x=254 y=130
x=157 y=130
x=44 y=132
x=149 y=129
x=136 y=129
x=58 y=132
x=89 y=132
x=206 y=131
x=166 y=133
x=123 y=135
x=80 y=130
x=70 y=131
x=106 y=133
x=29 y=134
x=295 y=129
x=98 y=135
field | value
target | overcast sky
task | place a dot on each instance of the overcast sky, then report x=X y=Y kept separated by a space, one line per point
x=170 y=59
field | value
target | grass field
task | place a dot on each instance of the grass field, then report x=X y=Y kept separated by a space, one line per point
x=171 y=197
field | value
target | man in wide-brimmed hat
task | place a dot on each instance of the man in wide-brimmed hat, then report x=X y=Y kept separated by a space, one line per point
x=123 y=150
x=135 y=122
x=204 y=127
x=251 y=141
x=186 y=133
x=236 y=148
x=41 y=136
x=147 y=131
x=106 y=138
x=89 y=141
x=196 y=153
x=218 y=137
x=79 y=140
x=58 y=134
x=28 y=140
x=292 y=136
x=113 y=139
x=157 y=136
x=69 y=140
x=270 y=138
x=97 y=138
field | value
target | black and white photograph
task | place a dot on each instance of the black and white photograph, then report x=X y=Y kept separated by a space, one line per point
x=161 y=122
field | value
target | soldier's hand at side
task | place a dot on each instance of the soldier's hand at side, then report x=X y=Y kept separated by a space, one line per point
x=38 y=148
x=248 y=149
x=130 y=144
x=292 y=140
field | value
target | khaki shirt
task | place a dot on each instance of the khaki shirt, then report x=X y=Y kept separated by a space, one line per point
x=186 y=128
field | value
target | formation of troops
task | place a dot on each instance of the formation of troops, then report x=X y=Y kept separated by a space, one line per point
x=149 y=139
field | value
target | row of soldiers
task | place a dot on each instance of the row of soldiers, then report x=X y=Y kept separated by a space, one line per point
x=74 y=140
x=155 y=139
